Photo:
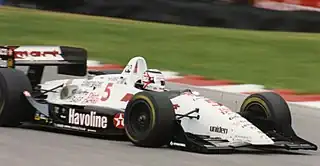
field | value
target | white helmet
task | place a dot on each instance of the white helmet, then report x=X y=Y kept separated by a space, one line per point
x=153 y=80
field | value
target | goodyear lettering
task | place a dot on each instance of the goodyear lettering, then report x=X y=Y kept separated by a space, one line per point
x=218 y=129
x=87 y=120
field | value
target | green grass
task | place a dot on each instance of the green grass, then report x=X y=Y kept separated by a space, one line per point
x=277 y=60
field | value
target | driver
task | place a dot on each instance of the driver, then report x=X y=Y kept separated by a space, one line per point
x=152 y=80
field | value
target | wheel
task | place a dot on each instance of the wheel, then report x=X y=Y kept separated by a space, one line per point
x=149 y=119
x=13 y=106
x=268 y=111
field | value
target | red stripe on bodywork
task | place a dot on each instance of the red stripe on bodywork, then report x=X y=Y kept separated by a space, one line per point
x=127 y=97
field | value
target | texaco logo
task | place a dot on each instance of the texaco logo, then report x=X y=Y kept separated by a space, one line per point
x=118 y=120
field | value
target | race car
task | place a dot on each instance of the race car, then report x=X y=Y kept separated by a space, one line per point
x=135 y=103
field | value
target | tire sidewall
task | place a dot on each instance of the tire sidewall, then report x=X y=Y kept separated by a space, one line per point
x=129 y=131
x=275 y=107
x=4 y=100
x=162 y=118
x=15 y=108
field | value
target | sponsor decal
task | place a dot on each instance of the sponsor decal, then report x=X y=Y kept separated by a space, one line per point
x=246 y=125
x=224 y=110
x=89 y=83
x=57 y=109
x=234 y=116
x=26 y=54
x=213 y=103
x=78 y=96
x=175 y=106
x=70 y=127
x=38 y=116
x=118 y=120
x=122 y=81
x=92 y=98
x=3 y=51
x=218 y=129
x=243 y=137
x=37 y=53
x=113 y=79
x=88 y=120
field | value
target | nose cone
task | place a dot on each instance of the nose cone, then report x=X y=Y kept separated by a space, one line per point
x=244 y=131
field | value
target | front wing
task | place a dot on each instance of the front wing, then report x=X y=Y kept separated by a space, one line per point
x=203 y=144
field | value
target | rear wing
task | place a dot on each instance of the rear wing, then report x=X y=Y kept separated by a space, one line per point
x=69 y=60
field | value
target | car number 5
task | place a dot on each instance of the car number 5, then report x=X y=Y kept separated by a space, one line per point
x=108 y=91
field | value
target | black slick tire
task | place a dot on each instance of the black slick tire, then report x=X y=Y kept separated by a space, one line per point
x=13 y=105
x=271 y=107
x=149 y=119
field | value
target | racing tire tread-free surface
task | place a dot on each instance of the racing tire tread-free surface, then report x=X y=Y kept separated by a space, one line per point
x=13 y=105
x=275 y=109
x=160 y=117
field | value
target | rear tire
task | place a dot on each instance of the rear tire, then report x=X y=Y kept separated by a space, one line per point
x=13 y=105
x=149 y=119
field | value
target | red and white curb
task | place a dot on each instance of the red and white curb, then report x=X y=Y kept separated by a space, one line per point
x=222 y=85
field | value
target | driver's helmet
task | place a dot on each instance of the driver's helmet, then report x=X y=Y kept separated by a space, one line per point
x=153 y=80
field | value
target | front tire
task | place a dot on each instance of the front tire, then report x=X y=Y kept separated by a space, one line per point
x=149 y=119
x=13 y=106
x=269 y=112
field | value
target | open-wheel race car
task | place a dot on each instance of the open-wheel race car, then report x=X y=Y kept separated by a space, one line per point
x=135 y=103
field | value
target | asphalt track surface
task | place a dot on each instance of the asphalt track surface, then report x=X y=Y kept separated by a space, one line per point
x=29 y=147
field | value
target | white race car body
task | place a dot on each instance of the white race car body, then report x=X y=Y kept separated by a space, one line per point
x=109 y=104
x=115 y=90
